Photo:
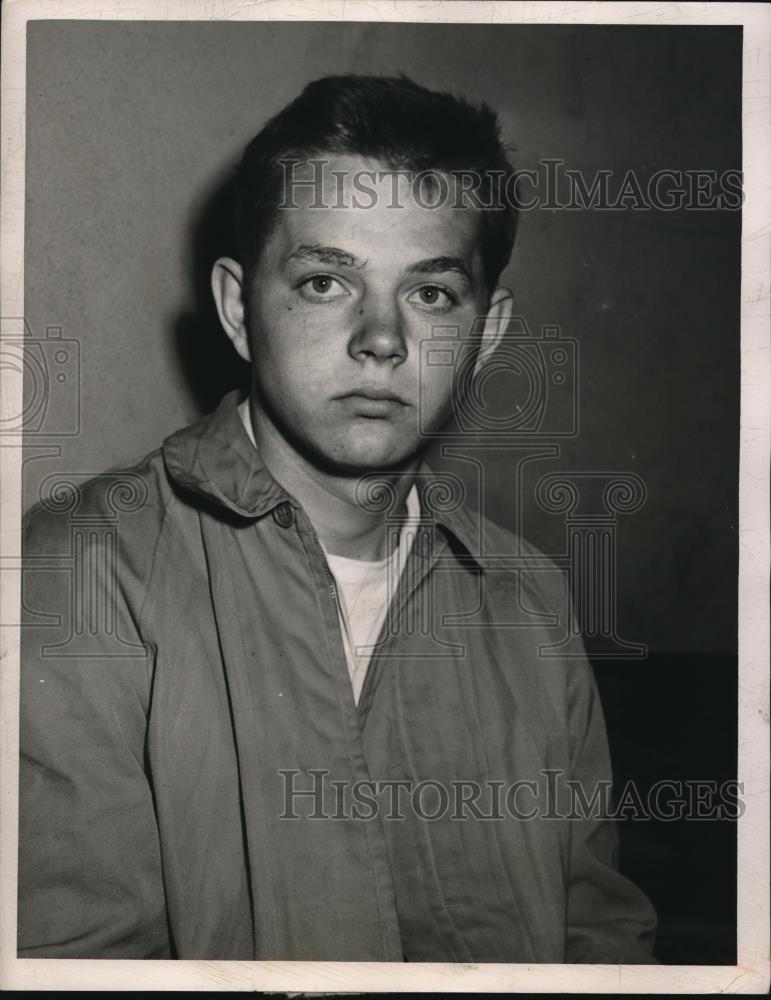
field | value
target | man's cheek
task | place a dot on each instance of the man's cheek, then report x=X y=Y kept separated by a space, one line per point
x=436 y=394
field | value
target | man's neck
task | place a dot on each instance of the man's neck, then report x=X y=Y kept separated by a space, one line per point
x=344 y=527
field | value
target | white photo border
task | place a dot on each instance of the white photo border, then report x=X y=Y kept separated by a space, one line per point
x=751 y=973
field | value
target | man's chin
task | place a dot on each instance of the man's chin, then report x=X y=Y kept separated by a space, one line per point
x=369 y=457
x=370 y=464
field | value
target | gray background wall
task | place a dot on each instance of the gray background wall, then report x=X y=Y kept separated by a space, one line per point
x=132 y=128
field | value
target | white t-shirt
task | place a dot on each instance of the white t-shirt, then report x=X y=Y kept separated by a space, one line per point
x=364 y=589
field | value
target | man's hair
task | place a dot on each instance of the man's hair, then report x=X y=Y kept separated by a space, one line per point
x=390 y=119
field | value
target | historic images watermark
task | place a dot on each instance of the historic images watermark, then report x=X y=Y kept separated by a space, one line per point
x=551 y=185
x=550 y=795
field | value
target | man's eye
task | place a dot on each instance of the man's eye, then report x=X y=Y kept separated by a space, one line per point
x=434 y=297
x=322 y=287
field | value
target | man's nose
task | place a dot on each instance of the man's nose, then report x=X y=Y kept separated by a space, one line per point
x=379 y=334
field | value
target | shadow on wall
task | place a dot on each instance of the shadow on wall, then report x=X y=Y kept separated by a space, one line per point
x=207 y=359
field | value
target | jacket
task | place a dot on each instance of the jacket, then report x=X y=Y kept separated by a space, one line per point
x=197 y=781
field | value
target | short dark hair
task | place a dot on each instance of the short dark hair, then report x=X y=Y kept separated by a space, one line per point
x=390 y=119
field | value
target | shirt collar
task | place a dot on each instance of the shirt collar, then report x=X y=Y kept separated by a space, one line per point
x=216 y=459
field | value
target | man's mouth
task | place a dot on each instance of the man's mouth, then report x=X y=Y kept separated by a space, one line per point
x=369 y=401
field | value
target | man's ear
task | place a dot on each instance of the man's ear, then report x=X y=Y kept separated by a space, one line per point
x=495 y=326
x=227 y=285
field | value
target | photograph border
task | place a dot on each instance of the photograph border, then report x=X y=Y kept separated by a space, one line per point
x=751 y=973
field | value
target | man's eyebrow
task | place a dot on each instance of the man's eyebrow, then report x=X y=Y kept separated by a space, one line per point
x=326 y=255
x=439 y=265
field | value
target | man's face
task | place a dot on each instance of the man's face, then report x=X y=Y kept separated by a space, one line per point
x=339 y=303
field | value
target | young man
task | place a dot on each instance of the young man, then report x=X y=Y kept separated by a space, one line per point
x=305 y=655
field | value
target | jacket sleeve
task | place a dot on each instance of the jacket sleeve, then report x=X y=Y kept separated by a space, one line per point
x=609 y=919
x=90 y=880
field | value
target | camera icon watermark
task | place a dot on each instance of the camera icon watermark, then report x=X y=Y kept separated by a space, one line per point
x=50 y=371
x=528 y=388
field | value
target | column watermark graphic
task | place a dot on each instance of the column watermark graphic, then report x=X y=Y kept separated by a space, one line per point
x=591 y=560
x=91 y=560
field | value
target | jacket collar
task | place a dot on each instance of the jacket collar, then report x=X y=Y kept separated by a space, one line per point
x=215 y=459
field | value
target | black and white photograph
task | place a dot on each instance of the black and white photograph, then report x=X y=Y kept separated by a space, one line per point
x=384 y=434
